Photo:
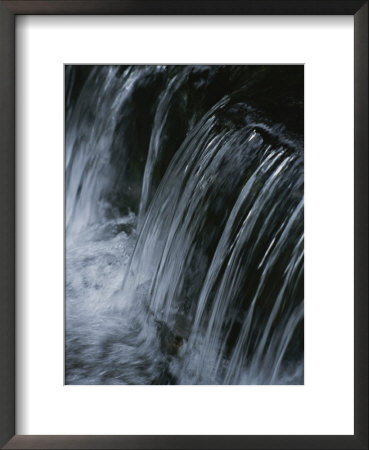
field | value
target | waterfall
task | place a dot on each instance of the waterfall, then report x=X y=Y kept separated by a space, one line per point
x=186 y=192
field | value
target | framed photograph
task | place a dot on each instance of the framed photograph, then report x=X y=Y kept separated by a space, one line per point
x=184 y=226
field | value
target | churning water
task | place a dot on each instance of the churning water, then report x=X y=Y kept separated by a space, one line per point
x=184 y=225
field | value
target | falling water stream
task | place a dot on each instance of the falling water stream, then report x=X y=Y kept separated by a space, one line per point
x=184 y=226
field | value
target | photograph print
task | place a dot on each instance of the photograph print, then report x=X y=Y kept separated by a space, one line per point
x=184 y=224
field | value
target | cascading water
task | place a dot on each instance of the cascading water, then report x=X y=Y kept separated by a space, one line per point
x=184 y=225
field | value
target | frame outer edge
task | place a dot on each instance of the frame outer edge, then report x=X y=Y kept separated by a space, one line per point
x=7 y=225
x=191 y=7
x=172 y=442
x=361 y=225
x=7 y=267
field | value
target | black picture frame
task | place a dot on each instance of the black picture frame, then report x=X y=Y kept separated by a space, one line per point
x=8 y=11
